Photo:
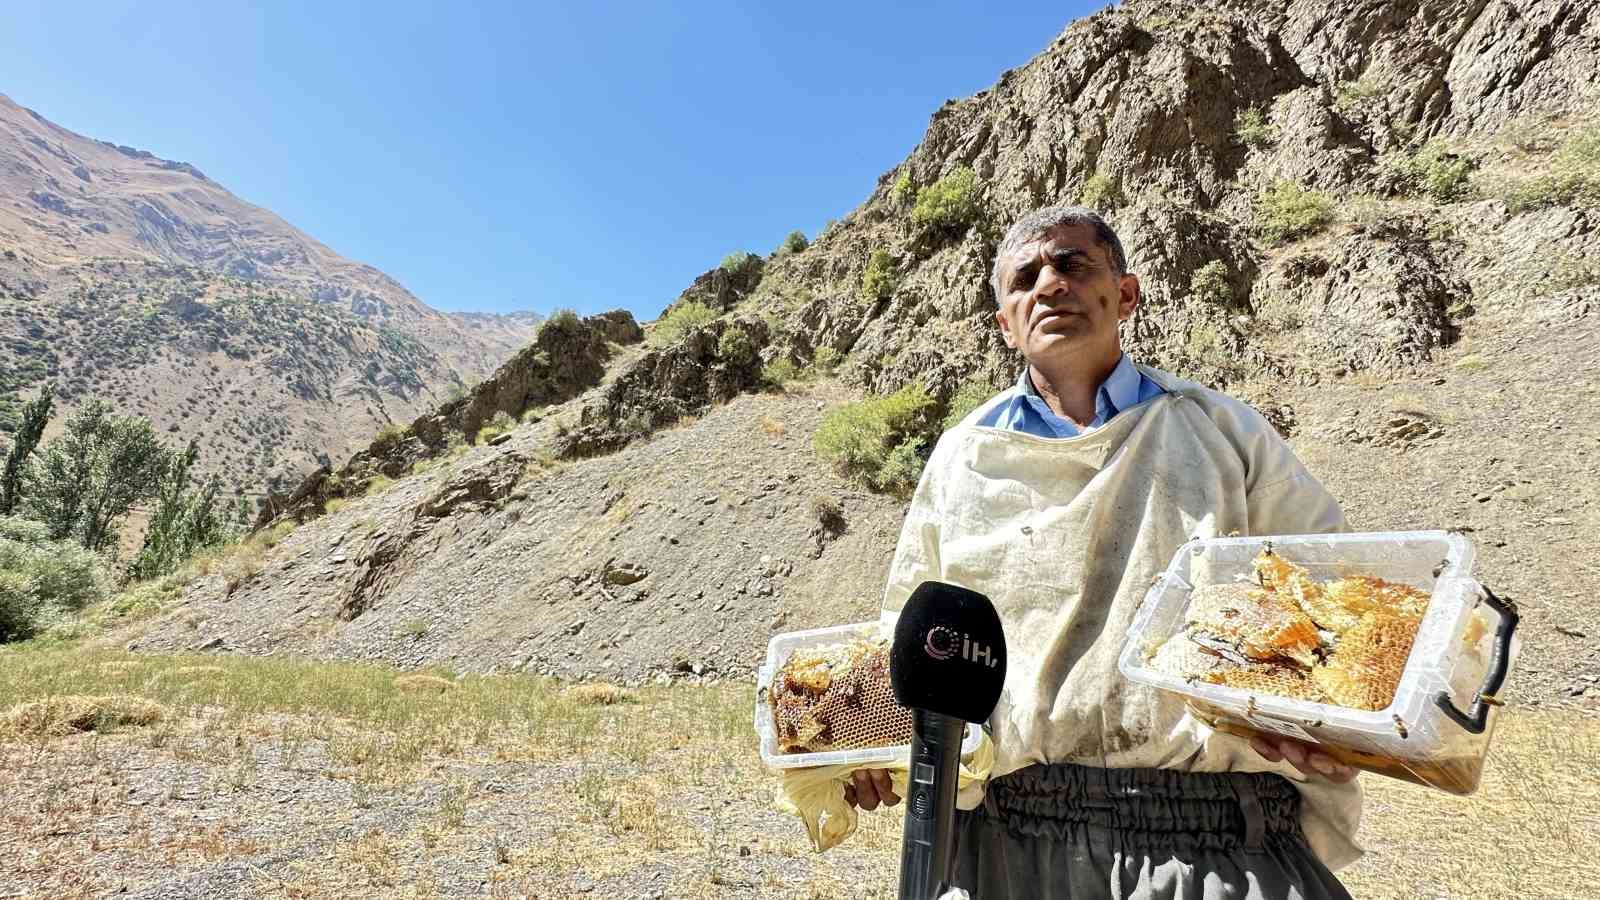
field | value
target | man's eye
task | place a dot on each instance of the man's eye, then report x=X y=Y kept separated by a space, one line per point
x=1023 y=280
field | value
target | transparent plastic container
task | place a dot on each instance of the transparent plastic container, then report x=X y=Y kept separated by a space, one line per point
x=778 y=652
x=1437 y=728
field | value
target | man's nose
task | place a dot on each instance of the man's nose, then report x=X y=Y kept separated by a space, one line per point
x=1050 y=283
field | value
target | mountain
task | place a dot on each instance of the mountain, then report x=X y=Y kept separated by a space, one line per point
x=141 y=281
x=1379 y=222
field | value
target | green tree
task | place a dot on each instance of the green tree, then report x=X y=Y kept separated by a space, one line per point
x=34 y=416
x=85 y=481
x=187 y=518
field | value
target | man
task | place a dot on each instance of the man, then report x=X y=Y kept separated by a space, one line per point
x=1061 y=499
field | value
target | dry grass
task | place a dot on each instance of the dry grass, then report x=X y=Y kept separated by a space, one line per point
x=526 y=787
x=772 y=427
x=600 y=693
x=79 y=712
x=425 y=684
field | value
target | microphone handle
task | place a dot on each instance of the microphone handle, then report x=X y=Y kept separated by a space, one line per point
x=927 y=849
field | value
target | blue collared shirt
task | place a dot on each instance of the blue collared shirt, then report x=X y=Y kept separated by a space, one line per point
x=1022 y=409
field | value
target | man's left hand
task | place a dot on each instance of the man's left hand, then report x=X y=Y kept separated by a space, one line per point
x=1302 y=756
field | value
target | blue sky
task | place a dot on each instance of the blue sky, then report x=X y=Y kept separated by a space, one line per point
x=501 y=156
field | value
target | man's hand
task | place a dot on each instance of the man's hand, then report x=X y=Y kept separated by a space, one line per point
x=1302 y=756
x=869 y=787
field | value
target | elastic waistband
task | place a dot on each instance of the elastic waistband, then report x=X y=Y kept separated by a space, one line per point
x=1146 y=807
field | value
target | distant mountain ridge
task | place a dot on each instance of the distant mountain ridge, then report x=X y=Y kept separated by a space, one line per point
x=141 y=280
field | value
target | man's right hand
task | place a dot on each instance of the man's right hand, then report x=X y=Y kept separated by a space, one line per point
x=869 y=787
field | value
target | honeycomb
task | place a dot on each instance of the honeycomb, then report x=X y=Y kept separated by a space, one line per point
x=1365 y=667
x=837 y=697
x=1280 y=681
x=1259 y=624
x=1344 y=641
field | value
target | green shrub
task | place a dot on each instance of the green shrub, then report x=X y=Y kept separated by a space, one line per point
x=902 y=192
x=738 y=261
x=1352 y=97
x=794 y=242
x=780 y=372
x=21 y=613
x=878 y=278
x=678 y=320
x=41 y=579
x=498 y=424
x=1286 y=211
x=735 y=347
x=826 y=360
x=1209 y=284
x=949 y=203
x=1573 y=177
x=968 y=397
x=388 y=439
x=901 y=469
x=878 y=439
x=1432 y=171
x=1100 y=193
x=1253 y=130
x=561 y=320
x=1205 y=343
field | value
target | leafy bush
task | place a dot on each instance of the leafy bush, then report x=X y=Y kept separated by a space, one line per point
x=826 y=360
x=1286 y=211
x=949 y=203
x=41 y=579
x=1253 y=130
x=794 y=242
x=735 y=347
x=1573 y=177
x=902 y=191
x=387 y=439
x=1351 y=97
x=678 y=320
x=1209 y=284
x=780 y=372
x=562 y=319
x=878 y=439
x=738 y=261
x=878 y=278
x=968 y=397
x=1100 y=193
x=1433 y=171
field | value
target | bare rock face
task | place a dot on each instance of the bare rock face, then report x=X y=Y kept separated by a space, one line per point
x=1361 y=304
x=709 y=365
x=721 y=289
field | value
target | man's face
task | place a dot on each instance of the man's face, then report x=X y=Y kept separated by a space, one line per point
x=1060 y=295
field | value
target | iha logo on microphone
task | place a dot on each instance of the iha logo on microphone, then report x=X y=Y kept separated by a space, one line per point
x=943 y=643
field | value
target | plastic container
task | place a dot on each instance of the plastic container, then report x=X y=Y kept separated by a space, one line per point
x=778 y=651
x=1437 y=728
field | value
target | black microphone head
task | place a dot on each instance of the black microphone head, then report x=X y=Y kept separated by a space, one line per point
x=949 y=653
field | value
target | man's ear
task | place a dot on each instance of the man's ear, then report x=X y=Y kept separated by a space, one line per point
x=1129 y=299
x=1005 y=328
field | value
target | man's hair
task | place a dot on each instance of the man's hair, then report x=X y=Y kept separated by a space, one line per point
x=1045 y=218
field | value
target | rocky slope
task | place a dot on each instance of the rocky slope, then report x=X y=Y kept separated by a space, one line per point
x=1423 y=342
x=139 y=280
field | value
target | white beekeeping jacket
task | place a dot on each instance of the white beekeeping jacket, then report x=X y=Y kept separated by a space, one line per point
x=1065 y=536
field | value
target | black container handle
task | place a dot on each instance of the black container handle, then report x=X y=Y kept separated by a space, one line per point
x=1478 y=719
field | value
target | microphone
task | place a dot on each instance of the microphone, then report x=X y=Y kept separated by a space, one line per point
x=947 y=664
